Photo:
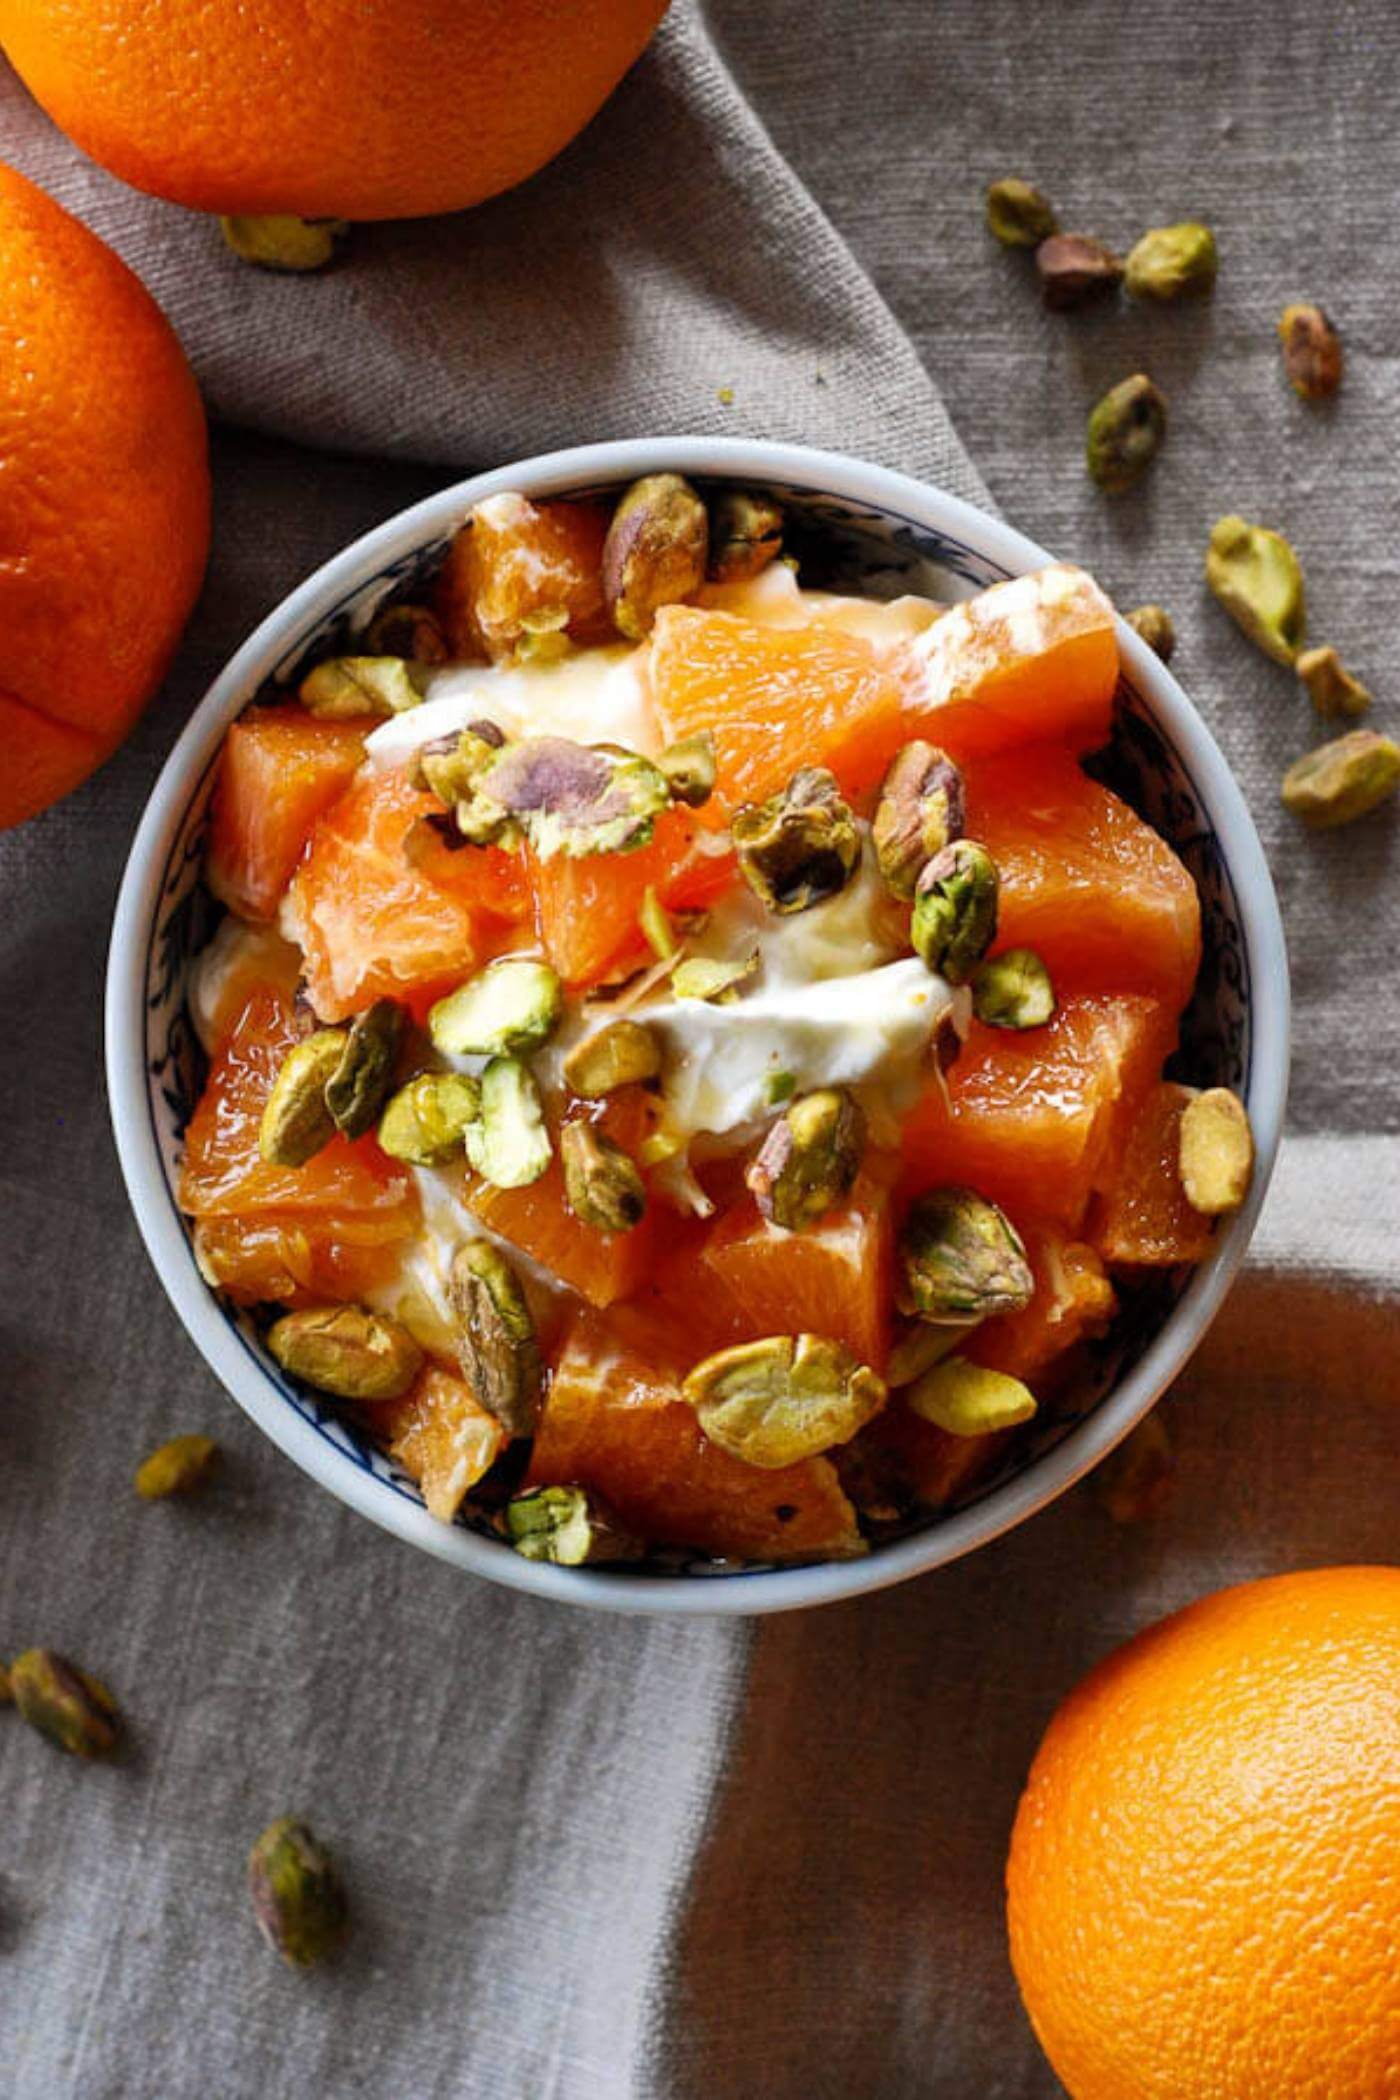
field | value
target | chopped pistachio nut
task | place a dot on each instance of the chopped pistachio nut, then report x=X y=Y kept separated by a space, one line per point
x=1255 y=575
x=1216 y=1152
x=346 y=687
x=75 y=1711
x=1172 y=262
x=1013 y=990
x=570 y=1527
x=961 y=1258
x=296 y=1121
x=746 y=535
x=176 y=1468
x=297 y=1895
x=1135 y=1480
x=347 y=1351
x=567 y=798
x=1018 y=215
x=1153 y=623
x=601 y=1181
x=965 y=1399
x=706 y=977
x=774 y=1402
x=621 y=1053
x=513 y=1005
x=655 y=551
x=1125 y=433
x=779 y=1087
x=922 y=1345
x=508 y=1144
x=688 y=769
x=450 y=766
x=955 y=910
x=410 y=631
x=799 y=846
x=808 y=1159
x=281 y=241
x=657 y=930
x=921 y=810
x=1343 y=780
x=356 y=1090
x=1331 y=687
x=426 y=1121
x=1312 y=352
x=496 y=1339
x=1073 y=268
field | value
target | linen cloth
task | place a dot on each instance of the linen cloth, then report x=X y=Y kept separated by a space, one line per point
x=591 y=1858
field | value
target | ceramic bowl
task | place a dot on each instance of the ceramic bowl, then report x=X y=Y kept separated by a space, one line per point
x=857 y=527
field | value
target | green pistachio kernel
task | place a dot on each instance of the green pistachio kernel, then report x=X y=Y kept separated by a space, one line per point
x=495 y=1335
x=602 y=1183
x=809 y=1158
x=1215 y=1154
x=356 y=1090
x=788 y=1397
x=1343 y=780
x=655 y=551
x=281 y=241
x=1330 y=685
x=1172 y=262
x=964 y=1399
x=779 y=1087
x=961 y=1258
x=346 y=687
x=706 y=977
x=297 y=1895
x=509 y=1144
x=570 y=1527
x=75 y=1711
x=1013 y=990
x=567 y=798
x=746 y=535
x=177 y=1467
x=514 y=1004
x=1018 y=215
x=657 y=929
x=621 y=1053
x=1255 y=575
x=919 y=1346
x=1154 y=624
x=955 y=910
x=1126 y=432
x=347 y=1351
x=426 y=1121
x=450 y=766
x=296 y=1122
x=688 y=769
x=800 y=846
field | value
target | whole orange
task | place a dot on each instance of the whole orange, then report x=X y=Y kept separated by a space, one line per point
x=1204 y=1878
x=104 y=498
x=352 y=109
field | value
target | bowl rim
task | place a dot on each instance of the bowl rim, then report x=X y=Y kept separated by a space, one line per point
x=854 y=480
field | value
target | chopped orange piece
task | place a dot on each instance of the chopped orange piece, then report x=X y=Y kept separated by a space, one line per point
x=442 y=1437
x=297 y=1257
x=515 y=561
x=775 y=699
x=937 y=1468
x=1073 y=1301
x=615 y=1424
x=372 y=925
x=1030 y=661
x=587 y=909
x=248 y=959
x=1029 y=1116
x=1144 y=1219
x=832 y=1279
x=279 y=770
x=1084 y=881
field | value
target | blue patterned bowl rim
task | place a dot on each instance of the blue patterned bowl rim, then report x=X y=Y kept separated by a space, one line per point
x=886 y=522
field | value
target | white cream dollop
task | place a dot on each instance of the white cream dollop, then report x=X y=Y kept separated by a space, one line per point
x=597 y=696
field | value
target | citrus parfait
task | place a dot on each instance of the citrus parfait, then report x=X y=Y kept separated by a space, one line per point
x=686 y=1049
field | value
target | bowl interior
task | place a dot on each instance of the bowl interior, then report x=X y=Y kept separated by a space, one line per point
x=842 y=544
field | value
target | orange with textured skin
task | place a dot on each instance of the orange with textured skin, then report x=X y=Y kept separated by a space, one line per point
x=833 y=1278
x=1073 y=1302
x=1084 y=881
x=588 y=910
x=352 y=109
x=1030 y=1117
x=613 y=1423
x=514 y=562
x=279 y=770
x=1144 y=1219
x=104 y=521
x=1204 y=1879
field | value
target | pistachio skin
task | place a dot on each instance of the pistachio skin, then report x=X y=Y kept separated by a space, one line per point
x=1215 y=1152
x=570 y=1527
x=296 y=1122
x=297 y=1895
x=688 y=768
x=281 y=241
x=176 y=1468
x=809 y=1159
x=746 y=535
x=1313 y=361
x=964 y=1399
x=567 y=798
x=1256 y=577
x=955 y=910
x=346 y=1351
x=622 y=1053
x=72 y=1710
x=1153 y=625
x=508 y=1143
x=602 y=1182
x=961 y=1258
x=357 y=1089
x=1330 y=685
x=496 y=1340
x=1126 y=431
x=787 y=1397
x=655 y=551
x=1013 y=990
x=800 y=846
x=410 y=631
x=922 y=808
x=1073 y=268
x=1018 y=215
x=1173 y=262
x=426 y=1121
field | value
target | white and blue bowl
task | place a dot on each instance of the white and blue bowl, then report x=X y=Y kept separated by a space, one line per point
x=857 y=527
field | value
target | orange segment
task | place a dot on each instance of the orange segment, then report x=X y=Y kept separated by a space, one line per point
x=443 y=1438
x=937 y=1468
x=587 y=910
x=776 y=699
x=1073 y=1301
x=1029 y=661
x=298 y=1258
x=1030 y=1116
x=373 y=926
x=1144 y=1219
x=833 y=1279
x=241 y=961
x=279 y=770
x=614 y=1424
x=1084 y=880
x=515 y=561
